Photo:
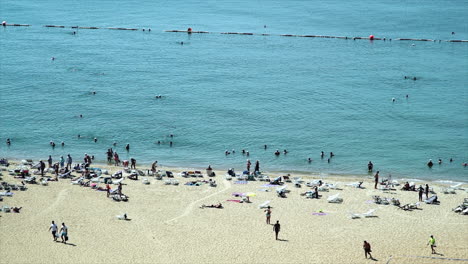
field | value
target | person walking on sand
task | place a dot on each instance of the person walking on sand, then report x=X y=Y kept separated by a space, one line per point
x=64 y=233
x=268 y=214
x=432 y=244
x=376 y=177
x=367 y=249
x=53 y=227
x=427 y=191
x=276 y=228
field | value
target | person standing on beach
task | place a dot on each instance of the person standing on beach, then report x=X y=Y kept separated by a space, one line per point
x=421 y=191
x=62 y=162
x=133 y=163
x=427 y=191
x=154 y=166
x=367 y=249
x=53 y=227
x=248 y=165
x=42 y=167
x=268 y=214
x=432 y=244
x=257 y=167
x=69 y=162
x=276 y=228
x=49 y=160
x=376 y=177
x=116 y=159
x=64 y=233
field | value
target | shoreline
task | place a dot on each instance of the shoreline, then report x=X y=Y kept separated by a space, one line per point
x=293 y=173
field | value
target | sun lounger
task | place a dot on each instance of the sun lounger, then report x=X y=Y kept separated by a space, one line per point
x=264 y=205
x=44 y=182
x=449 y=191
x=355 y=184
x=335 y=198
x=145 y=181
x=78 y=182
x=369 y=213
x=122 y=217
x=432 y=200
x=333 y=186
x=323 y=188
x=118 y=181
x=354 y=215
x=6 y=209
x=9 y=194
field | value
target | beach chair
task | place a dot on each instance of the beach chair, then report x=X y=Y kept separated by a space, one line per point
x=228 y=177
x=449 y=191
x=184 y=174
x=369 y=213
x=355 y=185
x=6 y=209
x=323 y=188
x=457 y=186
x=168 y=182
x=354 y=215
x=333 y=186
x=78 y=181
x=432 y=200
x=122 y=217
x=414 y=206
x=118 y=181
x=264 y=205
x=335 y=198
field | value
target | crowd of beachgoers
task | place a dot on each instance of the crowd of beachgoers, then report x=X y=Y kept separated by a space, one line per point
x=116 y=180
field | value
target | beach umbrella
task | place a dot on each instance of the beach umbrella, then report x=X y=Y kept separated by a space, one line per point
x=250 y=194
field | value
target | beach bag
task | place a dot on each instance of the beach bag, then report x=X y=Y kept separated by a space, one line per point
x=66 y=238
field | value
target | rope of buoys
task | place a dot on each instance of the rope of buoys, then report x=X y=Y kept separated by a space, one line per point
x=16 y=25
x=120 y=28
x=190 y=31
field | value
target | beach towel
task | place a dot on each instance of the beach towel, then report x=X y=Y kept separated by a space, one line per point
x=236 y=201
x=269 y=185
x=240 y=182
x=236 y=194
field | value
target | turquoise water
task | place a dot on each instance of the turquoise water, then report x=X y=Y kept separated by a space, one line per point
x=240 y=92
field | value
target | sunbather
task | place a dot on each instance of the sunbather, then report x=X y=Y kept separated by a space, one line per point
x=16 y=209
x=219 y=205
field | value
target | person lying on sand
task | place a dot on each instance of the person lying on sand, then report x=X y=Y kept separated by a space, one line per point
x=219 y=206
x=16 y=209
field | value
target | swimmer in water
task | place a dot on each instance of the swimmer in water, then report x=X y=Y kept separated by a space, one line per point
x=159 y=142
x=407 y=96
x=170 y=144
x=440 y=161
x=95 y=140
x=63 y=143
x=53 y=58
x=79 y=136
x=127 y=147
x=265 y=146
x=309 y=160
x=8 y=142
x=393 y=99
x=115 y=143
x=81 y=116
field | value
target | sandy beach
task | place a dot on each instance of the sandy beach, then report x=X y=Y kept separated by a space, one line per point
x=168 y=226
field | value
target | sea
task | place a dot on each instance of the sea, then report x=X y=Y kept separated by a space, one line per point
x=240 y=92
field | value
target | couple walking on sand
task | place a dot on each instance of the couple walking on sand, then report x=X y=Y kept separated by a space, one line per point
x=277 y=226
x=63 y=232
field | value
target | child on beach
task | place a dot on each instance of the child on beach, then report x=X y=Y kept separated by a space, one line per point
x=268 y=215
x=367 y=249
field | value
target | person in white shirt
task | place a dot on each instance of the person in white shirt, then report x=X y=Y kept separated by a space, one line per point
x=53 y=227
